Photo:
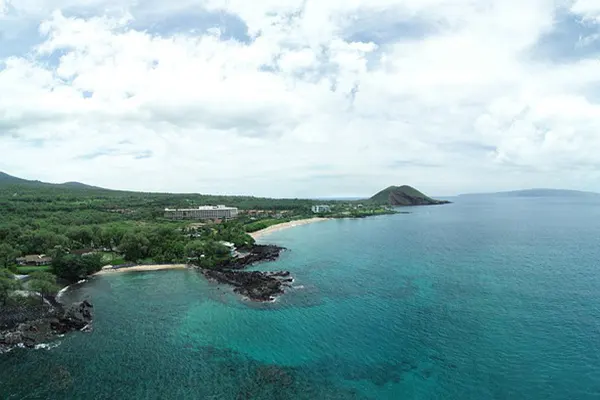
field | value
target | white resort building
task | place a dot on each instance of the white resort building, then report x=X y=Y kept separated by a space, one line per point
x=321 y=209
x=203 y=212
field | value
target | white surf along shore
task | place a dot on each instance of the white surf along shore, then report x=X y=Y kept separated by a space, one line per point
x=285 y=225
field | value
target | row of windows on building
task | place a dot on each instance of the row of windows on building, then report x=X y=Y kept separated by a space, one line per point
x=200 y=213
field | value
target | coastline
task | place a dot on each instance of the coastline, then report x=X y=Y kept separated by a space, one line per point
x=139 y=268
x=285 y=225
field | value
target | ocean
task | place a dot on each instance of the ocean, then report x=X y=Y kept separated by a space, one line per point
x=486 y=298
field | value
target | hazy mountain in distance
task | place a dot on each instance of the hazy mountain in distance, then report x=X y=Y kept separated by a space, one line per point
x=6 y=179
x=536 y=193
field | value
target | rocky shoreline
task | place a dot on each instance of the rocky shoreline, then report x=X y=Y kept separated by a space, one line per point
x=255 y=285
x=35 y=326
x=258 y=253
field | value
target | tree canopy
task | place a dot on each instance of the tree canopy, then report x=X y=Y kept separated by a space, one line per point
x=8 y=283
x=44 y=283
x=40 y=218
x=74 y=267
x=8 y=254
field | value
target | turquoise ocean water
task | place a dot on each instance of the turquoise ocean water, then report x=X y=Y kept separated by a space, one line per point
x=482 y=299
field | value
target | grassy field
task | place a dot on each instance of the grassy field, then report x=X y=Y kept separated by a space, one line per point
x=29 y=270
x=112 y=258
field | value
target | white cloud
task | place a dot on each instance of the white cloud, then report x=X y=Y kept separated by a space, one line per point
x=589 y=9
x=300 y=107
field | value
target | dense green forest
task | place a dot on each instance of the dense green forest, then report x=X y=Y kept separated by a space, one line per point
x=121 y=227
x=69 y=221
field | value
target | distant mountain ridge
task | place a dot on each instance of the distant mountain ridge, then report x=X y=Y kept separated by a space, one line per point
x=535 y=193
x=79 y=185
x=404 y=196
x=6 y=179
x=393 y=195
x=135 y=201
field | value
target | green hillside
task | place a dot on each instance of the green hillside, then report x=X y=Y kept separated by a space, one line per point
x=6 y=179
x=46 y=218
x=403 y=196
x=34 y=197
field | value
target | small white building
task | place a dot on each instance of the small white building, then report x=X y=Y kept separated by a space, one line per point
x=321 y=209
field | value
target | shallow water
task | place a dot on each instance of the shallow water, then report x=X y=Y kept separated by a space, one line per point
x=481 y=299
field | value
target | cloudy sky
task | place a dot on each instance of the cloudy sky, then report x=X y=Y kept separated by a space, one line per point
x=302 y=97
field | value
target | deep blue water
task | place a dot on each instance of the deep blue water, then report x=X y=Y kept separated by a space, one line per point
x=482 y=299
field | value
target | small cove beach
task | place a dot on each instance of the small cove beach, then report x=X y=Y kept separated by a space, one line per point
x=285 y=225
x=139 y=268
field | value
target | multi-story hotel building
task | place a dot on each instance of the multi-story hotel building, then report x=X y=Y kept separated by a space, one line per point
x=204 y=212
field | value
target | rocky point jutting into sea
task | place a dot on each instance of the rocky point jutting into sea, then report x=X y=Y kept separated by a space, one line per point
x=256 y=285
x=30 y=326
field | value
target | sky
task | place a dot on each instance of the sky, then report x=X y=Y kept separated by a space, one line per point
x=302 y=98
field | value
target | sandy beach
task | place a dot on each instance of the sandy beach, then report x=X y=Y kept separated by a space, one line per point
x=275 y=228
x=139 y=268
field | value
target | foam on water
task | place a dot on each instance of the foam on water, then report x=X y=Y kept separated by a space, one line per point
x=47 y=346
x=61 y=292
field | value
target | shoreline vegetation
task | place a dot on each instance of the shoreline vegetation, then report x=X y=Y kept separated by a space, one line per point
x=110 y=269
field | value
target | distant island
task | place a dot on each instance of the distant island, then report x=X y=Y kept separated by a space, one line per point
x=535 y=193
x=399 y=196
